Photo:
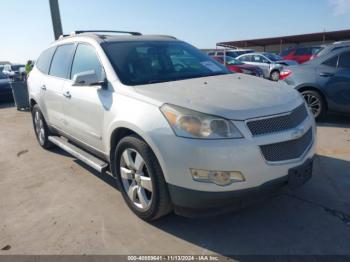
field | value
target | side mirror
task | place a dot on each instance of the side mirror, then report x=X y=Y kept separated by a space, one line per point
x=88 y=78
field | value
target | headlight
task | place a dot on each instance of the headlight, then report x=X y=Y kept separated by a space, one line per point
x=192 y=124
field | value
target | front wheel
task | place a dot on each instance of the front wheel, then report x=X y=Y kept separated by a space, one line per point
x=275 y=75
x=141 y=179
x=315 y=103
x=42 y=132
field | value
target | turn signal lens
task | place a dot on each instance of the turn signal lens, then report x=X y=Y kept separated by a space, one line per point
x=221 y=178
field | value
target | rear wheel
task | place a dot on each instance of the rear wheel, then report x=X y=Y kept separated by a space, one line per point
x=315 y=102
x=275 y=75
x=42 y=132
x=141 y=179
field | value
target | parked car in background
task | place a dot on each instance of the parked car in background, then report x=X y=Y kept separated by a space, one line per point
x=5 y=88
x=300 y=54
x=237 y=66
x=270 y=64
x=330 y=48
x=15 y=72
x=324 y=82
x=229 y=52
x=188 y=137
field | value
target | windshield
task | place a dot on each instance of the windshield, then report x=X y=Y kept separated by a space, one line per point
x=3 y=76
x=232 y=61
x=273 y=57
x=138 y=63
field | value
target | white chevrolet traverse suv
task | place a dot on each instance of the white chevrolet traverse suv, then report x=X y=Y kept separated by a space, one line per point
x=174 y=127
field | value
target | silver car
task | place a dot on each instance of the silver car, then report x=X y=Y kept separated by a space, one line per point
x=174 y=127
x=271 y=64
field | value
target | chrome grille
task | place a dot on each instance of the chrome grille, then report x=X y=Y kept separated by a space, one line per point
x=278 y=123
x=287 y=150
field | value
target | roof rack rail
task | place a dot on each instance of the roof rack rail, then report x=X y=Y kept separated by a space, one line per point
x=63 y=36
x=167 y=36
x=105 y=31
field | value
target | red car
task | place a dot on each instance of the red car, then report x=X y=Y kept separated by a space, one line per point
x=300 y=54
x=237 y=66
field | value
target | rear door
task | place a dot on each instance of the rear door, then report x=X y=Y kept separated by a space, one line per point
x=263 y=63
x=337 y=85
x=52 y=85
x=85 y=105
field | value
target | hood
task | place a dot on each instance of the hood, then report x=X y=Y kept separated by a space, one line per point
x=233 y=96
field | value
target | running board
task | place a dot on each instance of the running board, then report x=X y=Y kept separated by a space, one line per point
x=78 y=153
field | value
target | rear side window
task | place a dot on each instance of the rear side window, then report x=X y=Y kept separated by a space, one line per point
x=344 y=60
x=44 y=61
x=246 y=58
x=85 y=59
x=303 y=51
x=332 y=62
x=61 y=61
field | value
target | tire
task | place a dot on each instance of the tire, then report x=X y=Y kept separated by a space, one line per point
x=41 y=130
x=315 y=102
x=275 y=75
x=140 y=179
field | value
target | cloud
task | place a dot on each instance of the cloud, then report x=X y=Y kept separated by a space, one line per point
x=340 y=7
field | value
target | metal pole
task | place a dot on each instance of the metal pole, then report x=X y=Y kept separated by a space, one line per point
x=56 y=18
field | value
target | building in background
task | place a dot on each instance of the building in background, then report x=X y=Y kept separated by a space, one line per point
x=278 y=44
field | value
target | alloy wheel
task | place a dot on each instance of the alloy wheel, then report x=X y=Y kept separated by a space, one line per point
x=314 y=103
x=275 y=76
x=136 y=180
x=39 y=127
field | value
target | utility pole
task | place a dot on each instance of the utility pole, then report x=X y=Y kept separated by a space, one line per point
x=56 y=18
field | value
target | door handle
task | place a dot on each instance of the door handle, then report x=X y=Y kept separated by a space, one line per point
x=43 y=87
x=325 y=74
x=67 y=94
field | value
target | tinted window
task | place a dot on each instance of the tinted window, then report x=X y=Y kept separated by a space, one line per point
x=259 y=59
x=344 y=60
x=44 y=61
x=273 y=57
x=303 y=51
x=61 y=61
x=332 y=62
x=247 y=58
x=85 y=59
x=148 y=62
x=286 y=52
x=2 y=76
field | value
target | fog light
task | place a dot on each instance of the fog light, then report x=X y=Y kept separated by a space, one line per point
x=221 y=178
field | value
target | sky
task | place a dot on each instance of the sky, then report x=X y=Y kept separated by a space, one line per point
x=26 y=27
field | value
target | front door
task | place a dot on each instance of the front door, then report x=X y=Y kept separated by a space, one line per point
x=85 y=106
x=336 y=81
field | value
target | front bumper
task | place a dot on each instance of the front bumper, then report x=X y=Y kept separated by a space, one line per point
x=177 y=156
x=193 y=203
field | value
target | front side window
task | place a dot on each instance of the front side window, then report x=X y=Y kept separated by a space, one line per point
x=258 y=59
x=85 y=59
x=331 y=62
x=246 y=58
x=344 y=60
x=61 y=61
x=273 y=57
x=44 y=61
x=147 y=62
